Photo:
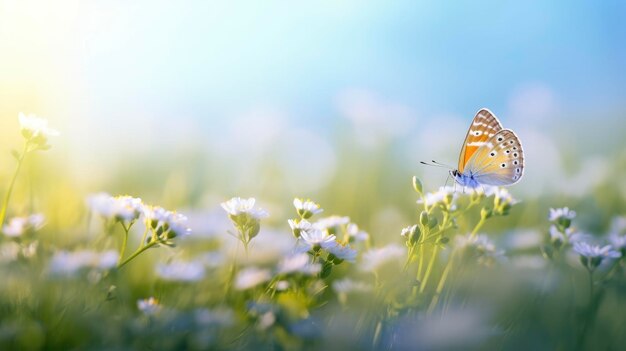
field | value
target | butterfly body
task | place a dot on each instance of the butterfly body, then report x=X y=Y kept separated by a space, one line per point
x=491 y=155
x=465 y=180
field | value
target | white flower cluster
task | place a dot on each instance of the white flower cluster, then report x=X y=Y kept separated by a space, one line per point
x=20 y=225
x=118 y=208
x=65 y=263
x=238 y=206
x=245 y=217
x=149 y=306
x=481 y=247
x=445 y=196
x=557 y=214
x=377 y=257
x=591 y=256
x=127 y=209
x=306 y=208
x=36 y=131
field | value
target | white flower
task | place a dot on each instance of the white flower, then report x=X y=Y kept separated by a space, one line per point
x=556 y=236
x=19 y=225
x=282 y=285
x=178 y=224
x=502 y=196
x=174 y=224
x=595 y=251
x=121 y=208
x=570 y=235
x=355 y=234
x=618 y=226
x=70 y=263
x=591 y=256
x=149 y=306
x=558 y=213
x=375 y=258
x=313 y=238
x=484 y=250
x=406 y=232
x=181 y=271
x=251 y=277
x=306 y=208
x=342 y=252
x=298 y=263
x=237 y=206
x=618 y=241
x=302 y=224
x=297 y=227
x=348 y=285
x=441 y=196
x=33 y=126
x=331 y=222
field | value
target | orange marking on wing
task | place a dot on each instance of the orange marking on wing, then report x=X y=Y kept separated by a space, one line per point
x=469 y=151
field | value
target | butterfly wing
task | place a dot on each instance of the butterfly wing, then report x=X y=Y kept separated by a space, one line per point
x=500 y=161
x=484 y=126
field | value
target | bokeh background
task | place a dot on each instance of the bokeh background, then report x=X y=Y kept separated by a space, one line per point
x=187 y=104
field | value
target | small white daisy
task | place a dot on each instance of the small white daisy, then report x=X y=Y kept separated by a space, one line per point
x=314 y=238
x=149 y=306
x=238 y=206
x=19 y=225
x=71 y=263
x=298 y=263
x=306 y=208
x=121 y=208
x=331 y=222
x=595 y=251
x=251 y=277
x=558 y=213
x=484 y=250
x=441 y=196
x=33 y=126
x=406 y=232
x=297 y=227
x=356 y=235
x=375 y=258
x=343 y=252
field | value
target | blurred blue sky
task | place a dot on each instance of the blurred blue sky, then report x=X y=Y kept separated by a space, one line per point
x=248 y=82
x=212 y=58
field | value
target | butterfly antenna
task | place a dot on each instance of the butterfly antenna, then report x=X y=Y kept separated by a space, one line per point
x=441 y=164
x=436 y=164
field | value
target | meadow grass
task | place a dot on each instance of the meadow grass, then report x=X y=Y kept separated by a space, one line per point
x=464 y=269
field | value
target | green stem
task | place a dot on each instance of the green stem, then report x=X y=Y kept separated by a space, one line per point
x=421 y=262
x=583 y=333
x=442 y=282
x=446 y=270
x=478 y=226
x=136 y=253
x=7 y=197
x=431 y=263
x=408 y=258
x=124 y=244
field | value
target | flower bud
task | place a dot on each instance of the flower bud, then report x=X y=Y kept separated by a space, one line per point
x=485 y=213
x=415 y=235
x=424 y=218
x=432 y=223
x=417 y=185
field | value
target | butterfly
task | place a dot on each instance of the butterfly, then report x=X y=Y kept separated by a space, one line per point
x=490 y=155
